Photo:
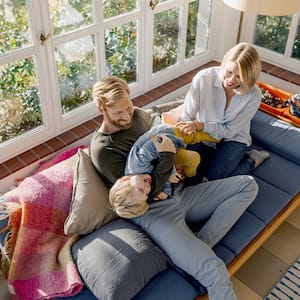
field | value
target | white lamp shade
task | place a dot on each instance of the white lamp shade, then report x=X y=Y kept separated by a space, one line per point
x=266 y=7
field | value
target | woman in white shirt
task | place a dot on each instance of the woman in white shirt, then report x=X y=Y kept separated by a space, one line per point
x=222 y=101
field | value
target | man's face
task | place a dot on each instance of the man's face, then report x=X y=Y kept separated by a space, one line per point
x=120 y=114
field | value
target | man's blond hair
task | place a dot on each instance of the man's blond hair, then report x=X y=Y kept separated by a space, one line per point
x=248 y=61
x=122 y=200
x=109 y=90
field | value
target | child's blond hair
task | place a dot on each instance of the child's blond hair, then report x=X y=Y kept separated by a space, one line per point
x=122 y=200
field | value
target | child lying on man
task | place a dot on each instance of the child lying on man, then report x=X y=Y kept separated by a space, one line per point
x=129 y=195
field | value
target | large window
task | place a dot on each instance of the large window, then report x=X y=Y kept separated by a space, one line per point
x=53 y=51
x=276 y=37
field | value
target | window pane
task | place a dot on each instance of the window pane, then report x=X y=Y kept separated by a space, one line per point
x=272 y=32
x=191 y=29
x=19 y=99
x=296 y=46
x=68 y=15
x=113 y=8
x=76 y=67
x=165 y=40
x=13 y=25
x=120 y=51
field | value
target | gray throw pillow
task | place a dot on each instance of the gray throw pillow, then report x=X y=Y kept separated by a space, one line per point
x=117 y=260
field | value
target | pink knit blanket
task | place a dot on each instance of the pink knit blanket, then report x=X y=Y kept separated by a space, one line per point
x=36 y=257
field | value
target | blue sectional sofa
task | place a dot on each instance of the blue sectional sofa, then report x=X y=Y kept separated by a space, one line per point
x=118 y=261
x=279 y=187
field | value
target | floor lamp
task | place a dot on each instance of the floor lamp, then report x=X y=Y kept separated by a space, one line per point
x=263 y=7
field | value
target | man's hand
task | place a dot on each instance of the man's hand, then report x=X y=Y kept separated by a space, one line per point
x=163 y=144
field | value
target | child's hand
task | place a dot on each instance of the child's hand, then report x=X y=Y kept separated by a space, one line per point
x=163 y=143
x=161 y=196
x=176 y=178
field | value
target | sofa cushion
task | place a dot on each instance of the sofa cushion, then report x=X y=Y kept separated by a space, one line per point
x=117 y=260
x=90 y=207
x=169 y=284
x=242 y=232
x=224 y=253
x=281 y=173
x=269 y=201
x=276 y=136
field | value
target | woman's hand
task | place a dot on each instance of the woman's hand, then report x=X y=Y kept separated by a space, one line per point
x=163 y=144
x=190 y=127
x=176 y=178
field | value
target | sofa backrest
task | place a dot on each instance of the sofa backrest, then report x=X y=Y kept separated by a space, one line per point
x=276 y=136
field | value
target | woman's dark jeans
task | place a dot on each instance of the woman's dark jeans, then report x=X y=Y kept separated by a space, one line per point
x=227 y=159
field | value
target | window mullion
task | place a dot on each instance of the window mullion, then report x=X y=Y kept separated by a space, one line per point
x=291 y=37
x=47 y=74
x=141 y=50
x=99 y=34
x=148 y=42
x=183 y=21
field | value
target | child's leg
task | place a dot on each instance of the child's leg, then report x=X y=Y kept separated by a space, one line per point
x=206 y=153
x=188 y=160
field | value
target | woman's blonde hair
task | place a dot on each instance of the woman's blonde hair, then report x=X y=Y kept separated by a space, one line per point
x=108 y=90
x=122 y=200
x=248 y=61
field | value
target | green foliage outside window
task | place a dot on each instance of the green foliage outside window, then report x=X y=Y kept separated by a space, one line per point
x=19 y=91
x=120 y=51
x=117 y=7
x=192 y=29
x=165 y=39
x=272 y=33
x=19 y=99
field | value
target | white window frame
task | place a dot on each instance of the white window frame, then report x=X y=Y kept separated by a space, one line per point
x=284 y=61
x=54 y=123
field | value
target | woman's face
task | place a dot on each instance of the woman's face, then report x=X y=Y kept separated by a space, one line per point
x=231 y=77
